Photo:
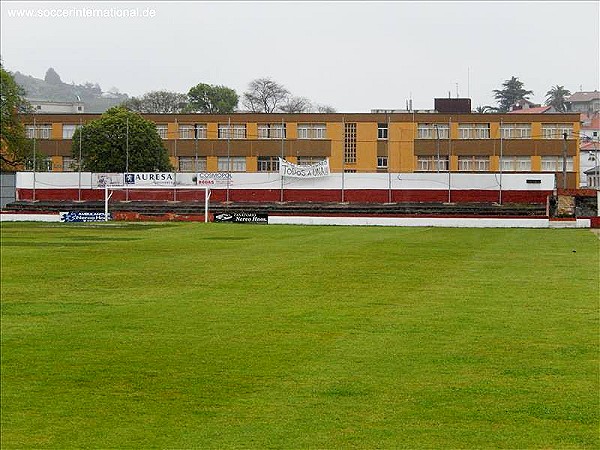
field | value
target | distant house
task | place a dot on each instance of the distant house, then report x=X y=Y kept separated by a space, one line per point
x=584 y=102
x=589 y=145
x=52 y=107
x=524 y=106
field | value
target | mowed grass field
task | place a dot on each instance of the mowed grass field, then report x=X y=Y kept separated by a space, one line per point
x=242 y=336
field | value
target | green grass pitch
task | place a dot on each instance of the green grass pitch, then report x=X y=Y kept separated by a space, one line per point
x=242 y=336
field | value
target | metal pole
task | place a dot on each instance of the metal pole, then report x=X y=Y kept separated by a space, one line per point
x=564 y=168
x=79 y=161
x=437 y=132
x=449 y=160
x=500 y=165
x=228 y=158
x=176 y=162
x=34 y=151
x=127 y=154
x=388 y=162
x=343 y=154
x=282 y=156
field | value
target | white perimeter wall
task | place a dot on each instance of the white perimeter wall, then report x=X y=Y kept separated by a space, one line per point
x=382 y=181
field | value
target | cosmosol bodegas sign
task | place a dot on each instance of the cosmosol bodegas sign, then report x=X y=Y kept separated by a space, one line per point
x=213 y=178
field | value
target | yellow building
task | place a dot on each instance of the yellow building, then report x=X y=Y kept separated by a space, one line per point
x=395 y=142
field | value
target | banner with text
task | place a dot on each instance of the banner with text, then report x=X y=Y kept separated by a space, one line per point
x=288 y=169
x=107 y=179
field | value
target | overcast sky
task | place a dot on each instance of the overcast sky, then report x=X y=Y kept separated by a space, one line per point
x=354 y=56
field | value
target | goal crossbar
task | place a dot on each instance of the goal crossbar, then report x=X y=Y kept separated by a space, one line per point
x=109 y=190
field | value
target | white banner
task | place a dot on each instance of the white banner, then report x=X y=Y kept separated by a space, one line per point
x=107 y=179
x=318 y=170
x=150 y=179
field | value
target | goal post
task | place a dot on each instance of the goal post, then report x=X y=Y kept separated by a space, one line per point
x=109 y=191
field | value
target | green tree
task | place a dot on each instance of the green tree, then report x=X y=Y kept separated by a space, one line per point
x=118 y=136
x=206 y=98
x=15 y=148
x=157 y=102
x=485 y=109
x=512 y=91
x=556 y=97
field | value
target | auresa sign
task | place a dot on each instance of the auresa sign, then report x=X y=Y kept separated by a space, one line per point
x=150 y=179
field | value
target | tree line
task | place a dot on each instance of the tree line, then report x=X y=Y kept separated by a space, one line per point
x=263 y=96
x=513 y=90
x=122 y=139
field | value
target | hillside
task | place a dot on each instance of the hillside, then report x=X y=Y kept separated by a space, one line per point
x=52 y=88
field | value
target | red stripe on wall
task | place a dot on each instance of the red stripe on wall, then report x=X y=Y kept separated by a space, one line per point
x=292 y=195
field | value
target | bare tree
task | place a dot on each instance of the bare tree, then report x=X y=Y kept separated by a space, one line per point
x=265 y=96
x=296 y=105
x=325 y=109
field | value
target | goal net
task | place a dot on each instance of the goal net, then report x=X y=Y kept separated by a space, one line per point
x=110 y=190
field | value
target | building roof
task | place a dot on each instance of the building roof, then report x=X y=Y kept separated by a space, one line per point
x=583 y=96
x=590 y=121
x=589 y=145
x=537 y=110
x=593 y=171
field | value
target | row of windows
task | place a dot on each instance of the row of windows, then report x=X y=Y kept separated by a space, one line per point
x=319 y=131
x=482 y=164
x=271 y=164
x=482 y=131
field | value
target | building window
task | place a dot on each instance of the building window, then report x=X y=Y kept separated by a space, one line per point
x=233 y=131
x=271 y=131
x=473 y=163
x=162 y=131
x=382 y=162
x=69 y=130
x=555 y=164
x=382 y=131
x=557 y=130
x=43 y=165
x=232 y=164
x=432 y=164
x=312 y=131
x=268 y=164
x=69 y=164
x=186 y=132
x=38 y=131
x=516 y=131
x=310 y=160
x=200 y=130
x=515 y=164
x=474 y=130
x=431 y=131
x=350 y=143
x=192 y=164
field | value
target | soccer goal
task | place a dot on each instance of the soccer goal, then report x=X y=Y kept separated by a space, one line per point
x=109 y=191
